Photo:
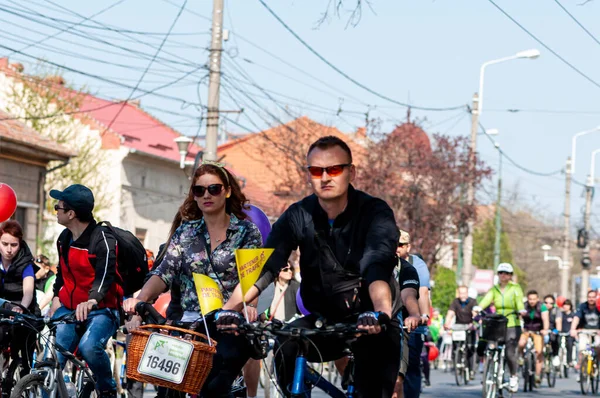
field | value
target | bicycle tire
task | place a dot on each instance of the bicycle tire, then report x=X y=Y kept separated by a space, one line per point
x=594 y=376
x=459 y=366
x=88 y=390
x=531 y=371
x=552 y=371
x=27 y=382
x=14 y=369
x=525 y=371
x=489 y=378
x=584 y=382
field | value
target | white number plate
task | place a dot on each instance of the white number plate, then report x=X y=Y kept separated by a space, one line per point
x=459 y=335
x=165 y=358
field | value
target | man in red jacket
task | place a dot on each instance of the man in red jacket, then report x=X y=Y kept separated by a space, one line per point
x=86 y=283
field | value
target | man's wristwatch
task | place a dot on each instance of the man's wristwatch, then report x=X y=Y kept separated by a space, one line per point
x=425 y=316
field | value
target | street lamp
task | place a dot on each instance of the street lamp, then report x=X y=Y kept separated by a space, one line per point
x=467 y=270
x=183 y=144
x=593 y=167
x=546 y=249
x=526 y=54
x=574 y=145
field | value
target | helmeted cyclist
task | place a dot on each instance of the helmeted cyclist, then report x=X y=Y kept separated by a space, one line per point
x=507 y=297
x=347 y=242
x=536 y=324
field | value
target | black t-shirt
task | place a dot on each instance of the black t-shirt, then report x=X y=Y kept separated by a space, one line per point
x=589 y=318
x=408 y=277
x=463 y=310
x=40 y=284
x=566 y=319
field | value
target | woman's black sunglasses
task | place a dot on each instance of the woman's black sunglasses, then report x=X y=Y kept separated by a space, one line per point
x=213 y=189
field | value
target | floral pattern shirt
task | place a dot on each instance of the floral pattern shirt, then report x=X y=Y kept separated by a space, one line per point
x=188 y=253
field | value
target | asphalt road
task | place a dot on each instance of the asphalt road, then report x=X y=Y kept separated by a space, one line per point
x=443 y=385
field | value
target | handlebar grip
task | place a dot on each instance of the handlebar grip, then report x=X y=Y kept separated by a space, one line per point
x=6 y=312
x=149 y=313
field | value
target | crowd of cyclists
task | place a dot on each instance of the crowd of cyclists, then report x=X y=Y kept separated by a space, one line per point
x=338 y=251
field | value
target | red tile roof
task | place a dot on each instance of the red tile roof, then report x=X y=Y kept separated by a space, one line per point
x=18 y=132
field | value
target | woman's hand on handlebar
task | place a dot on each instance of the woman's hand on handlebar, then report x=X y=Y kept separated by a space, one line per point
x=129 y=305
x=133 y=323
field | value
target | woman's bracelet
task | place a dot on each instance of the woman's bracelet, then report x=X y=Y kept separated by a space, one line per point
x=251 y=305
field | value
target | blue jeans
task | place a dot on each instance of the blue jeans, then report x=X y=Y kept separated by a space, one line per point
x=413 y=379
x=91 y=336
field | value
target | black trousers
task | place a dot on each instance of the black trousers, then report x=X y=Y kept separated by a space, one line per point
x=377 y=358
x=22 y=344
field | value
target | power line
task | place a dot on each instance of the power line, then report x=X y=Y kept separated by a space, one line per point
x=338 y=70
x=577 y=22
x=557 y=55
x=522 y=168
x=547 y=111
x=97 y=77
x=73 y=25
x=147 y=68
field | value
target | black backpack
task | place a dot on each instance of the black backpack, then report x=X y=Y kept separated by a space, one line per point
x=132 y=262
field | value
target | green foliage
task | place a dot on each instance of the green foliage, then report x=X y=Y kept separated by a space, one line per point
x=45 y=106
x=444 y=289
x=484 y=239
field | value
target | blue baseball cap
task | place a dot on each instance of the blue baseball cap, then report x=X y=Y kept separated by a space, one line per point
x=79 y=197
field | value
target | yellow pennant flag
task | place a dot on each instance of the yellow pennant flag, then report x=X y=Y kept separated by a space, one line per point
x=249 y=264
x=209 y=294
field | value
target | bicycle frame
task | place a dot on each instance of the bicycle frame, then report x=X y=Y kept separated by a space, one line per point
x=304 y=374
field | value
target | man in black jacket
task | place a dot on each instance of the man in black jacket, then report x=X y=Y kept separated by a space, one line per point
x=347 y=241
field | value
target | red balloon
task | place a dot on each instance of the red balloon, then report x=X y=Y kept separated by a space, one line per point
x=8 y=202
x=433 y=353
x=598 y=303
x=560 y=300
x=162 y=302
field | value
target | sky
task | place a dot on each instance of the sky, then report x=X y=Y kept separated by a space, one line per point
x=426 y=53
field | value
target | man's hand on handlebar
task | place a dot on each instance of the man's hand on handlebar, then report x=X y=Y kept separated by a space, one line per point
x=411 y=323
x=372 y=321
x=83 y=309
x=229 y=319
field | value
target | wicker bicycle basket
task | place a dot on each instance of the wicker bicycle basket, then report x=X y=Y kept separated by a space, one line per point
x=199 y=365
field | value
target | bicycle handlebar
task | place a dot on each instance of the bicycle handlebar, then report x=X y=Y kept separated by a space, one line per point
x=277 y=328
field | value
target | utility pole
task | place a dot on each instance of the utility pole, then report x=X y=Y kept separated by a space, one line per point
x=585 y=272
x=566 y=255
x=498 y=214
x=214 y=83
x=467 y=270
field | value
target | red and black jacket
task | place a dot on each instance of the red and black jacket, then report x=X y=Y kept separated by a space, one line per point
x=88 y=268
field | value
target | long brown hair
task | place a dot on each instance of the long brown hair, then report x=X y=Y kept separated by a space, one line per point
x=235 y=204
x=189 y=210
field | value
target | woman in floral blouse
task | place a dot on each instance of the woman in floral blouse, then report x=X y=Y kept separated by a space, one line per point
x=213 y=226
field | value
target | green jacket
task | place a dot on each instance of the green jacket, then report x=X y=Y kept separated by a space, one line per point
x=508 y=302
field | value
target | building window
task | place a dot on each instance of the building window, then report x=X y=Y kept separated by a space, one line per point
x=19 y=217
x=140 y=233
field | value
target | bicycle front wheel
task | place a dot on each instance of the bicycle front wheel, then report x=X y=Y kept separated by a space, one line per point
x=30 y=386
x=459 y=366
x=594 y=376
x=584 y=378
x=489 y=378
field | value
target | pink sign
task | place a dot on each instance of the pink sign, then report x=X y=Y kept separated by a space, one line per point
x=483 y=280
